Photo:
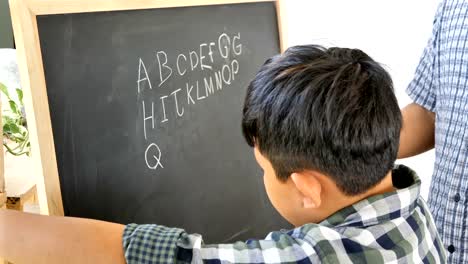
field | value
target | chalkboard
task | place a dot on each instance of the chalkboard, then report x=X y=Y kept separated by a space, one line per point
x=145 y=107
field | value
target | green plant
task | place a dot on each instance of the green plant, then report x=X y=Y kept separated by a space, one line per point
x=15 y=131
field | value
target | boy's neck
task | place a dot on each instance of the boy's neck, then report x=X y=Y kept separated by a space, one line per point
x=340 y=200
x=385 y=186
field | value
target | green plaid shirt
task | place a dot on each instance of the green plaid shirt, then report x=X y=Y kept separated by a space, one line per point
x=393 y=227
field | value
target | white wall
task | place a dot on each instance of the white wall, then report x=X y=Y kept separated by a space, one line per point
x=393 y=32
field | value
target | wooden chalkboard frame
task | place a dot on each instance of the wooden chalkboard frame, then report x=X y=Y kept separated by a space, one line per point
x=24 y=19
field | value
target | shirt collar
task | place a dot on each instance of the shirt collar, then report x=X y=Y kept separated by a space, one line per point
x=382 y=207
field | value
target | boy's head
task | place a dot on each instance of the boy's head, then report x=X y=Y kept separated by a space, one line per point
x=325 y=123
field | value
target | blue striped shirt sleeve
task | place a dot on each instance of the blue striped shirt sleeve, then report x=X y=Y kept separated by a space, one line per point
x=422 y=89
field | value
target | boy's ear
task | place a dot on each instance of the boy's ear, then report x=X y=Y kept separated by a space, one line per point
x=309 y=187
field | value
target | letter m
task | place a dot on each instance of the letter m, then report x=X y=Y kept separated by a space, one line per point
x=209 y=88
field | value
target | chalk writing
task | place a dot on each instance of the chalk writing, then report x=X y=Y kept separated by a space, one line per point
x=217 y=60
x=178 y=67
x=145 y=118
x=140 y=65
x=163 y=67
x=153 y=161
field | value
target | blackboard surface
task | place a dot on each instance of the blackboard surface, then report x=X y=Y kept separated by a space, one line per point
x=146 y=108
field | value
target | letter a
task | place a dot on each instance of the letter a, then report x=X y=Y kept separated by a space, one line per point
x=146 y=78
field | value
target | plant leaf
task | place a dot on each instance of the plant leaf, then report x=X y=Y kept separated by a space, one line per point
x=13 y=106
x=4 y=90
x=14 y=128
x=6 y=128
x=14 y=124
x=20 y=95
x=7 y=119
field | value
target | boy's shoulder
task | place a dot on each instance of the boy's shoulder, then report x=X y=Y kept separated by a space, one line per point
x=381 y=228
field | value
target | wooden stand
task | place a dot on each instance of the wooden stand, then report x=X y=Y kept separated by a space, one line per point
x=20 y=181
x=2 y=199
x=17 y=201
x=2 y=178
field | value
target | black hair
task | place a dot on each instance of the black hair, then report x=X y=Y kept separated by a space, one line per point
x=331 y=110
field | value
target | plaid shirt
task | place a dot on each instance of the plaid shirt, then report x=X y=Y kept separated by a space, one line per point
x=441 y=86
x=393 y=227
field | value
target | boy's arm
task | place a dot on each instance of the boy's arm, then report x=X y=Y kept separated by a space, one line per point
x=28 y=238
x=160 y=244
x=417 y=133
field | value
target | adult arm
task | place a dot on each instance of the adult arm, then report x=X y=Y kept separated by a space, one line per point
x=29 y=238
x=417 y=133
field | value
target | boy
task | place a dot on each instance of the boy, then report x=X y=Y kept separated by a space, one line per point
x=325 y=126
